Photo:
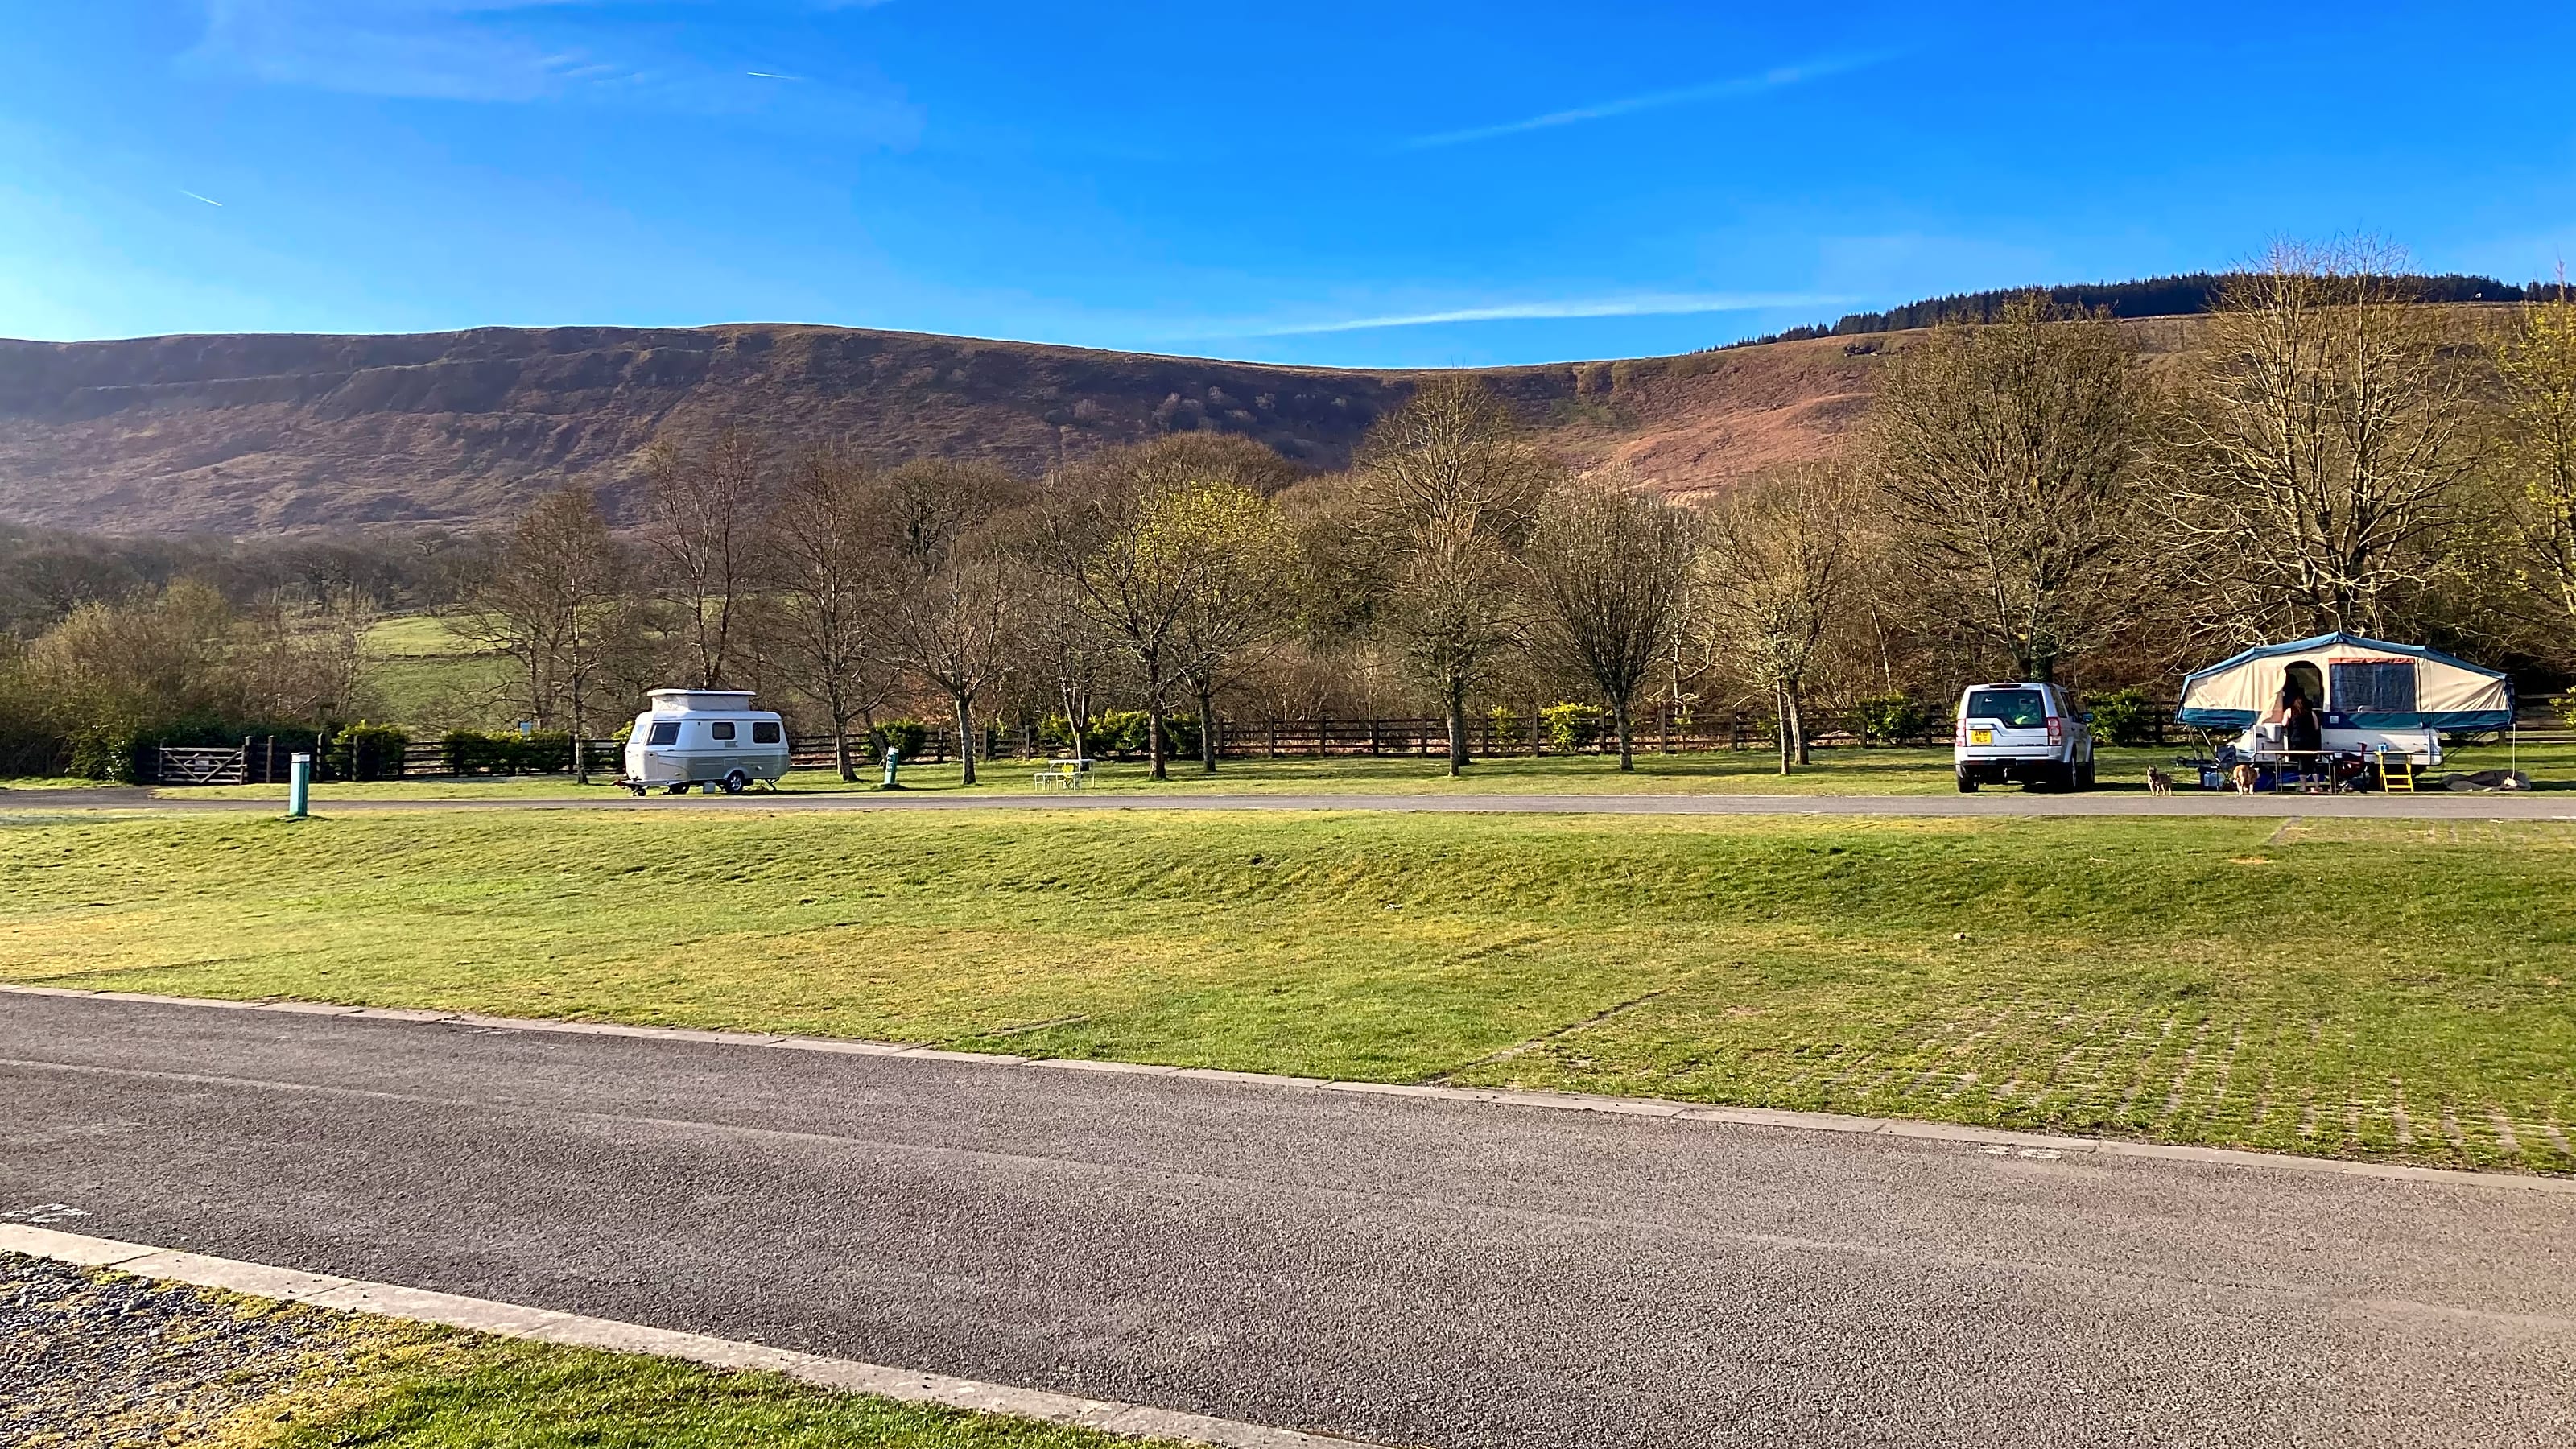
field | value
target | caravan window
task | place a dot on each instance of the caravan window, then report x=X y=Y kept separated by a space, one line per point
x=664 y=732
x=2374 y=687
x=724 y=730
x=764 y=732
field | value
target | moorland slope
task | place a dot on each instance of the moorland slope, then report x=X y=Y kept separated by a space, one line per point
x=261 y=433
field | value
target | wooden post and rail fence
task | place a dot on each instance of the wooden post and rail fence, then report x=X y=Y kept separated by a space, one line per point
x=265 y=759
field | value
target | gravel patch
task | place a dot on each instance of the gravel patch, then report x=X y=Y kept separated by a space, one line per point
x=95 y=1358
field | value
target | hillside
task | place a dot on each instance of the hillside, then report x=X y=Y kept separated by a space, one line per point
x=275 y=433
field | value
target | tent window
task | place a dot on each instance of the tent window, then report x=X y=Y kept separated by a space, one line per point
x=2375 y=688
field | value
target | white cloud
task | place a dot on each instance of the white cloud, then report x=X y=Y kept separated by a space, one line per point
x=515 y=52
x=1770 y=80
x=1640 y=304
x=431 y=49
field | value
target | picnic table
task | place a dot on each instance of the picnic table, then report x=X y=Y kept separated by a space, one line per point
x=1063 y=774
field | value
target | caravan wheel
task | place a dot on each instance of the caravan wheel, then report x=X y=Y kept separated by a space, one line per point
x=737 y=782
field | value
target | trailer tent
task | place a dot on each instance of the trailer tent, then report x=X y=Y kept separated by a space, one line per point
x=2368 y=684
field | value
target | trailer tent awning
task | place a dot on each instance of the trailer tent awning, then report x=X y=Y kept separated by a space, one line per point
x=2373 y=684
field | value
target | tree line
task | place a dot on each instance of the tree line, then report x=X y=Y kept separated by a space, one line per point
x=2187 y=294
x=2029 y=496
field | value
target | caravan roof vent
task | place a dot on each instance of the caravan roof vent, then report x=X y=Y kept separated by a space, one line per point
x=692 y=701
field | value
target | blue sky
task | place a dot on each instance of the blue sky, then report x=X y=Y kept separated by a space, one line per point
x=1365 y=184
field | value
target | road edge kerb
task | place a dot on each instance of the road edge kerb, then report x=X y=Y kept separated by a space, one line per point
x=1898 y=1127
x=513 y=1320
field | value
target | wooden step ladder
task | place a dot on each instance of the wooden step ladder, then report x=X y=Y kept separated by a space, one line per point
x=2397 y=779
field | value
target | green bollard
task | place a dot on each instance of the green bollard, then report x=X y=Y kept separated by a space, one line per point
x=893 y=757
x=299 y=785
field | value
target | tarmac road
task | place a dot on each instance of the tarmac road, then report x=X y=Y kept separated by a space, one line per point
x=1395 y=1269
x=2434 y=806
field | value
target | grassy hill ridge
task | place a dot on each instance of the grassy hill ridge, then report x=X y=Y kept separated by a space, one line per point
x=274 y=433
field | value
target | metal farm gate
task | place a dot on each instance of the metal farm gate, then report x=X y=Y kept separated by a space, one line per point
x=200 y=765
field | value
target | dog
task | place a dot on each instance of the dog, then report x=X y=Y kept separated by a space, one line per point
x=2246 y=777
x=2159 y=783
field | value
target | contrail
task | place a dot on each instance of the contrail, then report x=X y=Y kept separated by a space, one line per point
x=192 y=196
x=1787 y=75
x=772 y=75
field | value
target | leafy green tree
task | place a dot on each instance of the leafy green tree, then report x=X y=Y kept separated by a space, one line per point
x=1242 y=609
x=1170 y=560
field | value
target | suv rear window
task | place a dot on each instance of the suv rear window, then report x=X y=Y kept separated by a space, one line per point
x=664 y=732
x=764 y=732
x=2014 y=709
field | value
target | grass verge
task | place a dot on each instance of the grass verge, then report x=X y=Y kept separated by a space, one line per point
x=2358 y=988
x=129 y=1361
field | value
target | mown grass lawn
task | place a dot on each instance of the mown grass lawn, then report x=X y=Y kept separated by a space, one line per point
x=2361 y=988
x=1846 y=771
x=424 y=1389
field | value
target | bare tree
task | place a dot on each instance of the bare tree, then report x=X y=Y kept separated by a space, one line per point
x=2009 y=456
x=1062 y=647
x=2329 y=425
x=1774 y=569
x=306 y=657
x=702 y=510
x=1609 y=567
x=1454 y=493
x=828 y=561
x=555 y=603
x=2539 y=366
x=952 y=600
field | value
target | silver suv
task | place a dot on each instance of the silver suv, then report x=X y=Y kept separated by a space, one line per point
x=2029 y=734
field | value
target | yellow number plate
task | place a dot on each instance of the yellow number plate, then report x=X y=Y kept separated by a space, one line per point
x=1981 y=737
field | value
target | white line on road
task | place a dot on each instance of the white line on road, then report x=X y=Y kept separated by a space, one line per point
x=512 y=1320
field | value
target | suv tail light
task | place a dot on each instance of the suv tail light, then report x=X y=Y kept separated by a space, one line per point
x=1961 y=737
x=2056 y=730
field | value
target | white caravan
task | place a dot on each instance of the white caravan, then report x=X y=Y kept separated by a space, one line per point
x=710 y=738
